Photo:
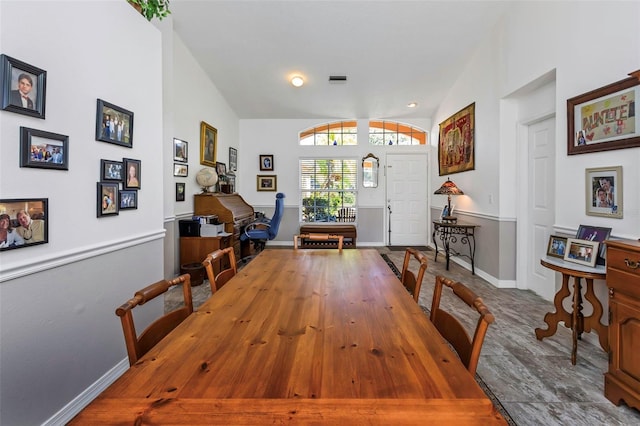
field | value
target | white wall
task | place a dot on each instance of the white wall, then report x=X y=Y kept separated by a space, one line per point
x=58 y=328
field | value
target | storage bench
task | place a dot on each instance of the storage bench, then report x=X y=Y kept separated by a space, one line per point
x=347 y=231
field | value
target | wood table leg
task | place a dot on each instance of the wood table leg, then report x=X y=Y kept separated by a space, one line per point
x=576 y=318
x=552 y=319
x=593 y=320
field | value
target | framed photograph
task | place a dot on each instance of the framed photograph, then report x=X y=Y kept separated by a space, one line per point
x=180 y=170
x=604 y=192
x=604 y=118
x=267 y=183
x=107 y=201
x=180 y=150
x=557 y=246
x=595 y=233
x=180 y=190
x=111 y=171
x=581 y=251
x=114 y=124
x=221 y=169
x=26 y=221
x=266 y=162
x=23 y=87
x=132 y=173
x=208 y=144
x=43 y=150
x=128 y=199
x=233 y=159
x=456 y=146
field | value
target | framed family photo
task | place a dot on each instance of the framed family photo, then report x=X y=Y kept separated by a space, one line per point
x=132 y=172
x=598 y=234
x=23 y=87
x=111 y=171
x=128 y=199
x=557 y=246
x=604 y=191
x=581 y=251
x=180 y=190
x=208 y=144
x=43 y=150
x=267 y=183
x=605 y=118
x=180 y=170
x=107 y=199
x=456 y=145
x=266 y=162
x=24 y=222
x=114 y=124
x=180 y=150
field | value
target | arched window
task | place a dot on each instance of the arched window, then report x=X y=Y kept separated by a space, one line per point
x=393 y=133
x=336 y=133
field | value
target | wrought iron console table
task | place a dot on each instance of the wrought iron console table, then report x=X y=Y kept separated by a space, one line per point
x=450 y=232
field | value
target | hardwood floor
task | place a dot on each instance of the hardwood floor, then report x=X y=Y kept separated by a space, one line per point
x=534 y=380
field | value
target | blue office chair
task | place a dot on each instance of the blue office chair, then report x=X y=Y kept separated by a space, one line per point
x=263 y=230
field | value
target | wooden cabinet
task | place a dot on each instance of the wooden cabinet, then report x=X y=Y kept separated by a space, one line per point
x=622 y=381
x=196 y=249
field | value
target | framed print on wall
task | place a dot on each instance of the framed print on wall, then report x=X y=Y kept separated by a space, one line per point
x=23 y=87
x=107 y=201
x=267 y=183
x=557 y=246
x=128 y=199
x=180 y=190
x=605 y=118
x=208 y=144
x=43 y=150
x=266 y=162
x=114 y=124
x=180 y=150
x=132 y=173
x=456 y=146
x=581 y=251
x=604 y=191
x=111 y=171
x=233 y=159
x=180 y=170
x=26 y=221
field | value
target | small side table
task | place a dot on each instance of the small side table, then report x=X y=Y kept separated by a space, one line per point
x=574 y=320
x=449 y=231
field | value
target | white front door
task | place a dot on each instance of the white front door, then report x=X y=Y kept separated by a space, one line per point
x=406 y=185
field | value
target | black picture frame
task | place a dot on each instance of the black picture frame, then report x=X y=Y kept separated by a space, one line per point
x=43 y=150
x=132 y=178
x=595 y=233
x=107 y=200
x=37 y=232
x=180 y=191
x=12 y=71
x=233 y=159
x=180 y=150
x=221 y=169
x=180 y=170
x=111 y=171
x=108 y=129
x=266 y=162
x=128 y=199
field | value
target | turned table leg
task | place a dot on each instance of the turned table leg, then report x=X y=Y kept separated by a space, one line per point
x=552 y=319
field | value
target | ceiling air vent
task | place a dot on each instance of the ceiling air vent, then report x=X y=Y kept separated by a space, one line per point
x=337 y=79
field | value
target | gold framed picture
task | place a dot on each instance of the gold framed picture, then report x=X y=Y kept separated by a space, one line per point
x=208 y=144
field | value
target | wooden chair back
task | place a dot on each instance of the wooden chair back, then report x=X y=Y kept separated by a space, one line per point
x=451 y=328
x=137 y=346
x=319 y=237
x=411 y=280
x=217 y=281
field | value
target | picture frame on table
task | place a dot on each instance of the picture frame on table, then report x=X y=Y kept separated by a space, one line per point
x=581 y=251
x=595 y=233
x=43 y=150
x=180 y=170
x=557 y=246
x=603 y=187
x=233 y=159
x=605 y=118
x=180 y=150
x=267 y=183
x=266 y=162
x=128 y=199
x=221 y=169
x=456 y=145
x=111 y=171
x=180 y=191
x=36 y=232
x=132 y=173
x=114 y=124
x=23 y=87
x=107 y=201
x=208 y=144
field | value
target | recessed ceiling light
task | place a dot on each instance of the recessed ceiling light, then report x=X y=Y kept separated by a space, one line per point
x=297 y=81
x=412 y=104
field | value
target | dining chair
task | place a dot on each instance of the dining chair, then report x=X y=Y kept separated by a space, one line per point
x=138 y=345
x=452 y=329
x=319 y=237
x=217 y=281
x=411 y=280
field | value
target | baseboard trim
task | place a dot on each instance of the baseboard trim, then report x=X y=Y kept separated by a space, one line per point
x=69 y=411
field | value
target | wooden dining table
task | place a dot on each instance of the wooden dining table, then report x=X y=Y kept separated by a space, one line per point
x=300 y=336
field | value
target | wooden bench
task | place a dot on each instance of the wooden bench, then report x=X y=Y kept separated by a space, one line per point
x=348 y=232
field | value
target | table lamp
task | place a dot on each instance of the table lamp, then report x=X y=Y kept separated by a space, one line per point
x=449 y=188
